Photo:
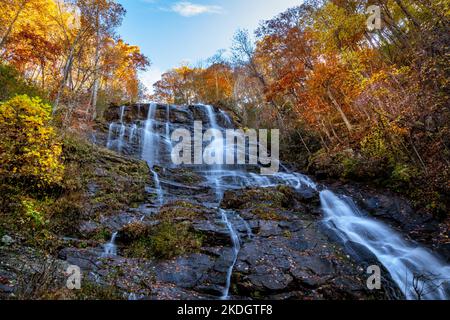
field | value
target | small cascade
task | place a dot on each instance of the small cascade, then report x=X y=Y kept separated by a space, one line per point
x=122 y=113
x=236 y=248
x=120 y=142
x=215 y=173
x=119 y=130
x=110 y=136
x=133 y=131
x=159 y=190
x=151 y=138
x=417 y=272
x=110 y=249
x=227 y=118
x=150 y=150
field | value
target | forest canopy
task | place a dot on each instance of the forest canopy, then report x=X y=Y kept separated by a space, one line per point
x=357 y=102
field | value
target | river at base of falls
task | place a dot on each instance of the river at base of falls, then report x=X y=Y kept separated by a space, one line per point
x=417 y=271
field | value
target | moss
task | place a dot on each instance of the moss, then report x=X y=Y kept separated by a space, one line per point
x=95 y=181
x=180 y=210
x=287 y=234
x=165 y=241
x=119 y=182
x=265 y=213
x=260 y=198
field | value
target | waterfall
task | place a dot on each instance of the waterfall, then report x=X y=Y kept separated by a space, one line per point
x=217 y=146
x=151 y=148
x=132 y=134
x=110 y=249
x=110 y=136
x=159 y=190
x=120 y=143
x=227 y=118
x=412 y=267
x=236 y=248
x=211 y=116
x=122 y=113
x=115 y=128
x=150 y=139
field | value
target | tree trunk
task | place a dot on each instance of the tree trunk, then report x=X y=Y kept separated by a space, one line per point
x=303 y=142
x=407 y=13
x=96 y=75
x=67 y=68
x=339 y=109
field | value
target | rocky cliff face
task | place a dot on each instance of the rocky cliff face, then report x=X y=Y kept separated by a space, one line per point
x=152 y=230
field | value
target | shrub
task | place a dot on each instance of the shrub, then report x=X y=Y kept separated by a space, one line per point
x=32 y=215
x=12 y=83
x=29 y=151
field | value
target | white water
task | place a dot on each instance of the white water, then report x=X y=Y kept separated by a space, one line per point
x=236 y=248
x=404 y=260
x=215 y=172
x=110 y=249
x=150 y=150
x=117 y=129
x=226 y=117
x=401 y=258
x=151 y=138
x=132 y=134
x=159 y=190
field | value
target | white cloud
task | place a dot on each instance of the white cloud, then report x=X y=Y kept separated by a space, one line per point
x=189 y=9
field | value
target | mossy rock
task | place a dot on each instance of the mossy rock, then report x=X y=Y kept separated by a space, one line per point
x=164 y=241
x=181 y=210
x=261 y=198
x=266 y=213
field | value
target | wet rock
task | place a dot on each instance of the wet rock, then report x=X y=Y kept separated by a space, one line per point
x=269 y=229
x=270 y=279
x=86 y=259
x=7 y=240
x=89 y=228
x=213 y=234
x=185 y=272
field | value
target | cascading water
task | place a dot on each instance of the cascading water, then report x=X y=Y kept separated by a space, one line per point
x=403 y=260
x=214 y=173
x=132 y=134
x=227 y=118
x=236 y=248
x=150 y=150
x=416 y=271
x=117 y=129
x=159 y=190
x=110 y=249
x=151 y=138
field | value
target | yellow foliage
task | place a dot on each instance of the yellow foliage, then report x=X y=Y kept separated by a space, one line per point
x=28 y=147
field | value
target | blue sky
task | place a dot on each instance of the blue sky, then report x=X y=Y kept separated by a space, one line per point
x=170 y=32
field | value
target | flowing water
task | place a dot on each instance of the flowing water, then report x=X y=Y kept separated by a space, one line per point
x=417 y=272
x=236 y=248
x=110 y=249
